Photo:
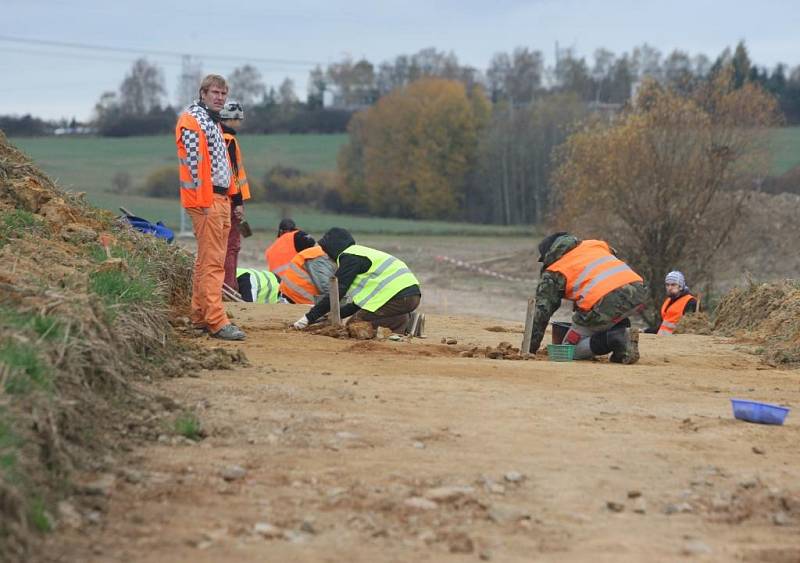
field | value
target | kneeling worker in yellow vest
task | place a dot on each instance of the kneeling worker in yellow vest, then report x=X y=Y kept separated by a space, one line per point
x=308 y=276
x=604 y=289
x=678 y=302
x=383 y=290
x=257 y=286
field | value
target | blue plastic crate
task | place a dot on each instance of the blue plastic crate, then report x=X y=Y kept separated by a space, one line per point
x=762 y=413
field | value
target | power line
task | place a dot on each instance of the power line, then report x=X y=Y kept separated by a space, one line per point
x=74 y=56
x=86 y=46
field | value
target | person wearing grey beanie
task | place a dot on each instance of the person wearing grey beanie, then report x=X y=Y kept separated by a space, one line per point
x=678 y=302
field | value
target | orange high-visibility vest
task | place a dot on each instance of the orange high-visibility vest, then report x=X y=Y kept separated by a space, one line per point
x=240 y=184
x=296 y=284
x=198 y=193
x=280 y=253
x=592 y=272
x=671 y=313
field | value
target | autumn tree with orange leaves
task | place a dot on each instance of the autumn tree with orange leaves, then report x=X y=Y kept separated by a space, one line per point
x=412 y=153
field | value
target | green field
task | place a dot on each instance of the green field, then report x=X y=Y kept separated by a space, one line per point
x=89 y=164
x=265 y=217
x=786 y=150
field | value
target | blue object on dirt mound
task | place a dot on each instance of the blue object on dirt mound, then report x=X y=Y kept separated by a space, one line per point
x=762 y=413
x=156 y=229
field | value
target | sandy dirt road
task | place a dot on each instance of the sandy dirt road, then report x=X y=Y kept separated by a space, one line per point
x=404 y=451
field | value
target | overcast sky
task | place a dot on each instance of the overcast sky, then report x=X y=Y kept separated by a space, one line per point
x=56 y=81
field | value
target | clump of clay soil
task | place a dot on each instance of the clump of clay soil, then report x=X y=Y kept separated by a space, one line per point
x=358 y=330
x=767 y=314
x=503 y=351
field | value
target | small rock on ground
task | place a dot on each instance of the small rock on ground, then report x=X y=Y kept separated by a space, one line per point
x=781 y=519
x=101 y=486
x=233 y=473
x=267 y=530
x=679 y=508
x=504 y=513
x=420 y=503
x=695 y=547
x=461 y=543
x=445 y=494
x=615 y=506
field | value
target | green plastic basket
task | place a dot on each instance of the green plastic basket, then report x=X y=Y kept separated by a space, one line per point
x=560 y=352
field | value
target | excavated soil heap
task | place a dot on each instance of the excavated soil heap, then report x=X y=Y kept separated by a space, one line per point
x=75 y=349
x=767 y=314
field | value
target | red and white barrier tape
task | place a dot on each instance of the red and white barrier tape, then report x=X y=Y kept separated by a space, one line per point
x=480 y=269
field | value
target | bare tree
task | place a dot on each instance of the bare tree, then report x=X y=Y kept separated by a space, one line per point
x=286 y=92
x=142 y=89
x=245 y=85
x=515 y=77
x=189 y=81
x=317 y=86
x=647 y=62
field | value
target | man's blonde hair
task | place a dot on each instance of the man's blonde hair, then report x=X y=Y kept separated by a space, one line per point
x=212 y=80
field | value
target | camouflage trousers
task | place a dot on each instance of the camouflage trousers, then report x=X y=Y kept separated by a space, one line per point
x=612 y=309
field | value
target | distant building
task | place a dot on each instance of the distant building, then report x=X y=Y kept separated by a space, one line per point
x=76 y=130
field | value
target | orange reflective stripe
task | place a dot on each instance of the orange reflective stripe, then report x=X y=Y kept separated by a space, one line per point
x=671 y=313
x=592 y=272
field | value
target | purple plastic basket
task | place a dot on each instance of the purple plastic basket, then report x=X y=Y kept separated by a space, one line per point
x=761 y=413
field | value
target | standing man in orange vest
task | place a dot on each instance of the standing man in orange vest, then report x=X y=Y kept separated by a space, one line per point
x=232 y=116
x=308 y=277
x=677 y=303
x=205 y=185
x=605 y=292
x=290 y=241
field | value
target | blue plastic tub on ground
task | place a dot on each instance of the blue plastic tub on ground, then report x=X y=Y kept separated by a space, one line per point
x=762 y=413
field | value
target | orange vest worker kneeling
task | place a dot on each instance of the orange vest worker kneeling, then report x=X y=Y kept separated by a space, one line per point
x=605 y=292
x=308 y=276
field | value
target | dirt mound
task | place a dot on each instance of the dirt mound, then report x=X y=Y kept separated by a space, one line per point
x=768 y=314
x=80 y=323
x=697 y=323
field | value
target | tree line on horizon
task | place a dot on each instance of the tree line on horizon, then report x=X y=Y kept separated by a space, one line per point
x=140 y=106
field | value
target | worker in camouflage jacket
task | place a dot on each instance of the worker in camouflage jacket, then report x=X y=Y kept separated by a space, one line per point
x=605 y=292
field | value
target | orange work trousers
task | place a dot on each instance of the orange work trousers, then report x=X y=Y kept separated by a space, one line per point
x=211 y=226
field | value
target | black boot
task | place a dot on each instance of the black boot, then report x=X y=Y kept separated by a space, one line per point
x=599 y=344
x=624 y=345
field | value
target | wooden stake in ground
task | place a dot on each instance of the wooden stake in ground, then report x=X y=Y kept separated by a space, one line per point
x=526 y=334
x=336 y=316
